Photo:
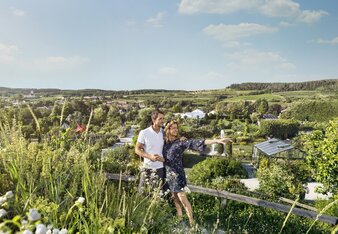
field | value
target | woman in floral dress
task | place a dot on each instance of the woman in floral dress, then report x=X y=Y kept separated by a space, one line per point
x=173 y=152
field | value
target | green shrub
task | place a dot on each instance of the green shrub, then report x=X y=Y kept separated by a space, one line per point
x=211 y=168
x=230 y=185
x=119 y=160
x=279 y=128
x=275 y=181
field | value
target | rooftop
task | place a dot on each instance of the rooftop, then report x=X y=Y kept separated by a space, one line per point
x=273 y=146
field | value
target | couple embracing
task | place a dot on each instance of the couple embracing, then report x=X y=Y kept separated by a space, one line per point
x=163 y=152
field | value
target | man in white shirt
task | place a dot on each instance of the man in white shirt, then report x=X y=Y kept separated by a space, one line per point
x=149 y=146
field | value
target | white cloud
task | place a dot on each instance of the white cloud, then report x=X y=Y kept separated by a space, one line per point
x=167 y=71
x=290 y=9
x=258 y=59
x=311 y=16
x=7 y=53
x=280 y=8
x=156 y=21
x=229 y=34
x=271 y=8
x=285 y=24
x=333 y=41
x=18 y=12
x=215 y=6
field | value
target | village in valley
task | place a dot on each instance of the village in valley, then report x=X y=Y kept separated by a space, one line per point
x=284 y=149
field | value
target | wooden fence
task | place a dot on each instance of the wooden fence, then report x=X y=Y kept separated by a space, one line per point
x=246 y=199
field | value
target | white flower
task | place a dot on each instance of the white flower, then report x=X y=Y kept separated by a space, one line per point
x=80 y=200
x=27 y=232
x=186 y=189
x=49 y=231
x=33 y=215
x=9 y=194
x=153 y=175
x=56 y=231
x=160 y=194
x=40 y=229
x=3 y=212
x=63 y=231
x=2 y=200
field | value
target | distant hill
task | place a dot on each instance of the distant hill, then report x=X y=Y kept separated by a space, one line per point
x=278 y=87
x=84 y=92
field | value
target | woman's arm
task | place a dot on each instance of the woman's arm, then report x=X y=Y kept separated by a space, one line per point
x=217 y=141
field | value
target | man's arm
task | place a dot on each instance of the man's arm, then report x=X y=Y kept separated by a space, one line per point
x=139 y=150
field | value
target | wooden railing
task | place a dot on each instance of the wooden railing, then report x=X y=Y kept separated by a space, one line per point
x=246 y=199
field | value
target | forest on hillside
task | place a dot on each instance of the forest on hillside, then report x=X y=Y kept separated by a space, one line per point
x=280 y=87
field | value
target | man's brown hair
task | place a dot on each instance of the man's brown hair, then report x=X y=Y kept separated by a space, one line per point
x=155 y=114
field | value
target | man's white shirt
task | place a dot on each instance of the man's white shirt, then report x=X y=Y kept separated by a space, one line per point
x=153 y=144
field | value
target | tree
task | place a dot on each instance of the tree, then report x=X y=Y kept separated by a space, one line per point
x=99 y=116
x=322 y=150
x=275 y=109
x=235 y=109
x=262 y=106
x=280 y=128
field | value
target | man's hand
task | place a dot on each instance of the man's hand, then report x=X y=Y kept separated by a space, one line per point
x=160 y=158
x=156 y=157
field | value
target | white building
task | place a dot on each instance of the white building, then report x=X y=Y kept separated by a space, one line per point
x=194 y=114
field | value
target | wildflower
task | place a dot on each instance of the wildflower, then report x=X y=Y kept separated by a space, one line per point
x=80 y=200
x=40 y=229
x=27 y=232
x=9 y=194
x=160 y=194
x=56 y=231
x=33 y=215
x=3 y=212
x=63 y=231
x=166 y=192
x=24 y=224
x=2 y=200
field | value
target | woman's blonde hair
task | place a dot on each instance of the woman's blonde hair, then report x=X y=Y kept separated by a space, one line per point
x=167 y=127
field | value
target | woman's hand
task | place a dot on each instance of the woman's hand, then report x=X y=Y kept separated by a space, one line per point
x=224 y=140
x=183 y=138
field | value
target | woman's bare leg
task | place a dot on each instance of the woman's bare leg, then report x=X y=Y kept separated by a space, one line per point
x=177 y=205
x=187 y=206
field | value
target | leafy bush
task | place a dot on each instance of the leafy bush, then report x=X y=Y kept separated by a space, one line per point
x=322 y=150
x=279 y=128
x=118 y=160
x=230 y=185
x=211 y=168
x=275 y=182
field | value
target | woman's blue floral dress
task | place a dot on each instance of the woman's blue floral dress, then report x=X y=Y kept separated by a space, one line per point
x=173 y=154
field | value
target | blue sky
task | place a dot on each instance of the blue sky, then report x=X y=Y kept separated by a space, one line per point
x=166 y=44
